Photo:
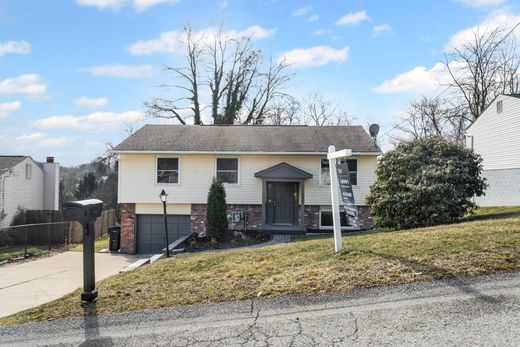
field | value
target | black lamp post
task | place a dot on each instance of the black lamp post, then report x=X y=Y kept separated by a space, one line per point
x=163 y=197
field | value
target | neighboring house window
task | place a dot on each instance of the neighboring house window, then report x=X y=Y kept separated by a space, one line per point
x=28 y=171
x=352 y=167
x=500 y=106
x=167 y=170
x=326 y=219
x=227 y=170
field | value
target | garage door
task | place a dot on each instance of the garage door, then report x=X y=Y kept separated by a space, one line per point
x=150 y=231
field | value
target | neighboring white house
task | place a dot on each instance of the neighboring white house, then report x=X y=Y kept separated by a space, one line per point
x=25 y=183
x=495 y=135
x=276 y=177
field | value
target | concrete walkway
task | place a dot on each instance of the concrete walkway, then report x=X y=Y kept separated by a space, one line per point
x=35 y=282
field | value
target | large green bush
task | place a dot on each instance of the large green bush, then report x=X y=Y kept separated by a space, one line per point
x=216 y=212
x=425 y=182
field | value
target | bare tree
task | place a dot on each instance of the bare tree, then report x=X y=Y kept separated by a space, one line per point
x=241 y=86
x=484 y=68
x=285 y=111
x=318 y=110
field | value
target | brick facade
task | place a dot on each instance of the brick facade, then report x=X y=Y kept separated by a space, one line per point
x=127 y=228
x=312 y=217
x=252 y=212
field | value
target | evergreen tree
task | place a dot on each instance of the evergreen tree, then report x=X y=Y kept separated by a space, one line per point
x=87 y=185
x=216 y=212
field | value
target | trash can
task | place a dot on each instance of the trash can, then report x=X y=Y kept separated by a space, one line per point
x=115 y=238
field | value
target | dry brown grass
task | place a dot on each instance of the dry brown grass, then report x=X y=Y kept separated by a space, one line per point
x=307 y=266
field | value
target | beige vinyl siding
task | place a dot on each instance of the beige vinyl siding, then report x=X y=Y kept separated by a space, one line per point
x=138 y=182
x=158 y=208
x=20 y=191
x=496 y=136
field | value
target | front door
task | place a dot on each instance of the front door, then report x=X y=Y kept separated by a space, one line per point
x=282 y=198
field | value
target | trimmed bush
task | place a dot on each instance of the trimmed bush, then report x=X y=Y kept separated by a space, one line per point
x=425 y=182
x=216 y=212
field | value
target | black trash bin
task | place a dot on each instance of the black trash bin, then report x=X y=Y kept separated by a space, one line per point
x=115 y=238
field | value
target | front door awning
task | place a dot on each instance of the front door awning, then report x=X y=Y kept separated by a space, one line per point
x=283 y=171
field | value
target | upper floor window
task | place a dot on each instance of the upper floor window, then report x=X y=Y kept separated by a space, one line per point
x=500 y=106
x=167 y=170
x=352 y=167
x=28 y=171
x=227 y=170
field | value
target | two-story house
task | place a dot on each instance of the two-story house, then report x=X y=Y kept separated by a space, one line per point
x=276 y=176
x=27 y=184
x=495 y=135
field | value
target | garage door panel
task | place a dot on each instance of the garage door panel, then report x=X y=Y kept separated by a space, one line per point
x=150 y=231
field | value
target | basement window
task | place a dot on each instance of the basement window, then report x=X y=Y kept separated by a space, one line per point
x=326 y=221
x=168 y=170
x=500 y=106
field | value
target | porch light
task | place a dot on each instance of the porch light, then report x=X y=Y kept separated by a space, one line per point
x=163 y=196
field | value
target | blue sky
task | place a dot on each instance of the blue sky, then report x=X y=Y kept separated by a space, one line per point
x=75 y=73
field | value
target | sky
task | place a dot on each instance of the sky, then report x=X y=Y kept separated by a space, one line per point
x=74 y=74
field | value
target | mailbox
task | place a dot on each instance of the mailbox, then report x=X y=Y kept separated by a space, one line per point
x=83 y=211
x=86 y=212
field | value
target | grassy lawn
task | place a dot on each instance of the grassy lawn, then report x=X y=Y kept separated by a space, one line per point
x=482 y=244
x=99 y=244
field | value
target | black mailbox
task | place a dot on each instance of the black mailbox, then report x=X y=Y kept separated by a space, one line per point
x=86 y=212
x=82 y=211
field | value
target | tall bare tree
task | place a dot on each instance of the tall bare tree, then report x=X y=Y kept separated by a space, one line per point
x=485 y=67
x=318 y=110
x=240 y=84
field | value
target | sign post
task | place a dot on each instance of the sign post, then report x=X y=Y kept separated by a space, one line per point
x=334 y=191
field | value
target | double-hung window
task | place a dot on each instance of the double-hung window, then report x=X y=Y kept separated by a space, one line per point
x=352 y=168
x=168 y=170
x=28 y=171
x=227 y=170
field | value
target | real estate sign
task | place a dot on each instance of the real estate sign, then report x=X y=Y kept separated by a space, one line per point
x=347 y=195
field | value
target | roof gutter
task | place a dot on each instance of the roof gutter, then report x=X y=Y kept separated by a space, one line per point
x=237 y=152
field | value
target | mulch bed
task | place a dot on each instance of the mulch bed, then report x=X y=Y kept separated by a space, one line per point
x=233 y=240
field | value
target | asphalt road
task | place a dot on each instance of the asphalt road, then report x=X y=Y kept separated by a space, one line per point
x=457 y=312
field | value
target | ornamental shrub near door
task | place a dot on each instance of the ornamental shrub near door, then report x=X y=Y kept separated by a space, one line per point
x=425 y=182
x=216 y=212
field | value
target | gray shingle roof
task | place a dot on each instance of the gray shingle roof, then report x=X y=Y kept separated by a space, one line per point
x=8 y=161
x=248 y=138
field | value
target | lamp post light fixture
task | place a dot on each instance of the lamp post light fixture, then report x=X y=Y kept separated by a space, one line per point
x=163 y=197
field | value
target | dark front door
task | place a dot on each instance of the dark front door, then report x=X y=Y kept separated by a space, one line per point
x=282 y=198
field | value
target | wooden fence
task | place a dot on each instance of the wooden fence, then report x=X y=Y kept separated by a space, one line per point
x=106 y=220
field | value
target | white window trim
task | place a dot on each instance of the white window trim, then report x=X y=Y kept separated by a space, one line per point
x=238 y=173
x=179 y=169
x=329 y=209
x=328 y=185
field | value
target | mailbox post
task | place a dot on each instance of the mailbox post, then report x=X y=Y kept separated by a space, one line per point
x=85 y=212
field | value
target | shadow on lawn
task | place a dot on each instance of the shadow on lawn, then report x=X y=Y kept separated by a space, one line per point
x=91 y=327
x=440 y=274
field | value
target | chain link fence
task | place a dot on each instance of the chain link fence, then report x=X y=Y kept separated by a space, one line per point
x=23 y=241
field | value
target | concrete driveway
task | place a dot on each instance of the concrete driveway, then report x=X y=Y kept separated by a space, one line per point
x=35 y=282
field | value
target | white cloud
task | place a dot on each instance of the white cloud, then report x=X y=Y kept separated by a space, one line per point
x=30 y=137
x=8 y=107
x=313 y=18
x=380 y=29
x=481 y=3
x=14 y=47
x=28 y=84
x=314 y=56
x=44 y=141
x=120 y=70
x=417 y=80
x=102 y=4
x=89 y=102
x=98 y=121
x=141 y=5
x=171 y=41
x=495 y=20
x=302 y=11
x=353 y=18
